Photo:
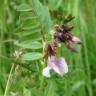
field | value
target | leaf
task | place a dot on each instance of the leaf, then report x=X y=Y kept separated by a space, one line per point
x=33 y=37
x=28 y=32
x=31 y=56
x=30 y=26
x=28 y=15
x=43 y=14
x=29 y=44
x=24 y=7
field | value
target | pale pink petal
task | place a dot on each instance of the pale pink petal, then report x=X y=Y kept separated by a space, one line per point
x=61 y=67
x=76 y=40
x=58 y=65
x=46 y=71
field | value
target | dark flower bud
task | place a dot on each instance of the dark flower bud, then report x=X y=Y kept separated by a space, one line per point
x=71 y=47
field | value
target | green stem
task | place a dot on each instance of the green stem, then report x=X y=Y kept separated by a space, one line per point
x=9 y=80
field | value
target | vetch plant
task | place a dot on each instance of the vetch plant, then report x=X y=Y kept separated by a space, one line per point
x=26 y=24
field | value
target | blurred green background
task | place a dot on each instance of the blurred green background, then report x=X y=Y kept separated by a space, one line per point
x=23 y=23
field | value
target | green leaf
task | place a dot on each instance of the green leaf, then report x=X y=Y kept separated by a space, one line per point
x=24 y=7
x=28 y=32
x=43 y=14
x=29 y=44
x=31 y=56
x=27 y=15
x=30 y=26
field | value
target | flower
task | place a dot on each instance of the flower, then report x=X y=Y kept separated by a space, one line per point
x=63 y=35
x=58 y=65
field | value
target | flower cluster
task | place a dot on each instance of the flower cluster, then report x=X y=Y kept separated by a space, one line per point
x=62 y=35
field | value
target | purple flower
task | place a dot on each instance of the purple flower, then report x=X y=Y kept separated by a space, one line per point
x=58 y=65
x=63 y=35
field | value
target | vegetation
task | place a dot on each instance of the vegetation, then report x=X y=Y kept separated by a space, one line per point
x=24 y=27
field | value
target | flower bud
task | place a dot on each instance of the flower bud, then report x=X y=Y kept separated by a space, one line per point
x=76 y=40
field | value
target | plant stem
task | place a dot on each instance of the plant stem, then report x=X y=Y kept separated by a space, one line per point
x=9 y=80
